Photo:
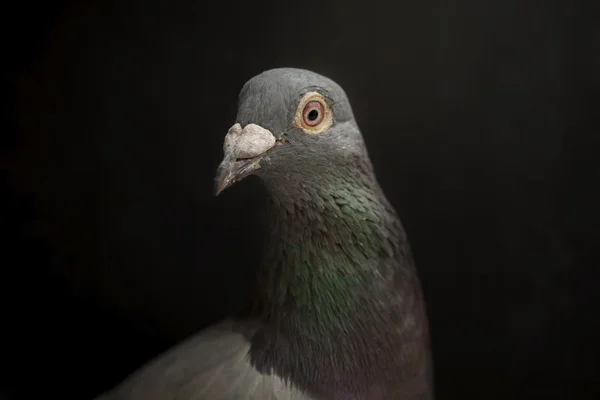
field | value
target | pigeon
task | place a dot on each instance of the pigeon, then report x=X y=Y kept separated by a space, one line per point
x=337 y=311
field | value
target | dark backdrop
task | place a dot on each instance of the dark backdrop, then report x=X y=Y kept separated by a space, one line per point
x=479 y=117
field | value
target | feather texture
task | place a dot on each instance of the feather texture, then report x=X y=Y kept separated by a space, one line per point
x=212 y=365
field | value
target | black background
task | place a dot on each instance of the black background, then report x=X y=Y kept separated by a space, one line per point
x=479 y=118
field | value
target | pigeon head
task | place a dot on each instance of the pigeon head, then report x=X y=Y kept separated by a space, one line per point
x=293 y=124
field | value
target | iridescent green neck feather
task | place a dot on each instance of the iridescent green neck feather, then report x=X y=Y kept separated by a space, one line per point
x=324 y=247
x=338 y=291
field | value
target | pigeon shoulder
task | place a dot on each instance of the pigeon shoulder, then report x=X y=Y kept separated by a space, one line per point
x=212 y=365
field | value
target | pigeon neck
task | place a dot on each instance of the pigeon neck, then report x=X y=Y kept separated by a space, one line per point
x=325 y=245
x=336 y=289
x=324 y=234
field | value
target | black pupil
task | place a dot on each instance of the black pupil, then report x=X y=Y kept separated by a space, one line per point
x=313 y=115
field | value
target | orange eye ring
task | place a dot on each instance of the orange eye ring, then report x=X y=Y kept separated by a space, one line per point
x=313 y=113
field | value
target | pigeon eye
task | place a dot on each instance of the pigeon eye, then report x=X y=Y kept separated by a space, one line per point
x=313 y=113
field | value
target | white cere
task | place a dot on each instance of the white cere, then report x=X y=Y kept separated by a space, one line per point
x=249 y=142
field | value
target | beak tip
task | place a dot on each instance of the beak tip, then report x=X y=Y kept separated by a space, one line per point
x=219 y=187
x=224 y=179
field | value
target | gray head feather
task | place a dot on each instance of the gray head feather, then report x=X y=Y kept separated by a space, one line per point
x=270 y=98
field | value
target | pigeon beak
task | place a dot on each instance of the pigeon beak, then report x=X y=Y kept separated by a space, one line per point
x=231 y=171
x=243 y=148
